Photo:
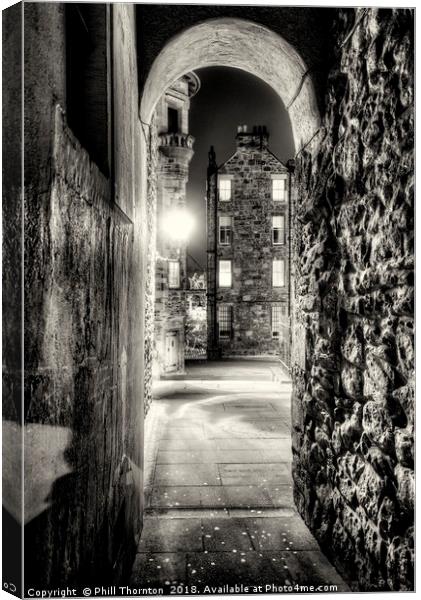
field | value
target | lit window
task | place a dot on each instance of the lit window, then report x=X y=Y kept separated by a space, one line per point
x=173 y=274
x=224 y=189
x=279 y=189
x=224 y=321
x=225 y=277
x=278 y=273
x=225 y=230
x=278 y=230
x=278 y=318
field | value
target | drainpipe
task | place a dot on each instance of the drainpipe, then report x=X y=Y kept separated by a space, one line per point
x=213 y=172
x=215 y=310
x=291 y=170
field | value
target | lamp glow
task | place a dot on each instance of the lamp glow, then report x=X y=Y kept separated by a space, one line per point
x=178 y=224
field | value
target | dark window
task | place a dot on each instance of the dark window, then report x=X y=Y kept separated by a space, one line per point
x=224 y=230
x=87 y=75
x=172 y=120
x=278 y=230
x=224 y=321
x=278 y=319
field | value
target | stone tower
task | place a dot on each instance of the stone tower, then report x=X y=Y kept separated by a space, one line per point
x=175 y=153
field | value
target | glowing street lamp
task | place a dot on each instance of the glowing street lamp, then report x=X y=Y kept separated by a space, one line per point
x=178 y=224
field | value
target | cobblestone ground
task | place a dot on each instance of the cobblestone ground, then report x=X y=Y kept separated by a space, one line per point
x=218 y=485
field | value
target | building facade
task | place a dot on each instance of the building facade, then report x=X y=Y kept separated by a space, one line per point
x=175 y=153
x=248 y=241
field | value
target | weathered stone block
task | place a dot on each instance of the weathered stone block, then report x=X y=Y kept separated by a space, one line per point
x=387 y=518
x=377 y=424
x=351 y=430
x=404 y=446
x=370 y=491
x=350 y=465
x=405 y=352
x=400 y=562
x=378 y=377
x=352 y=380
x=405 y=396
x=352 y=347
x=380 y=461
x=406 y=487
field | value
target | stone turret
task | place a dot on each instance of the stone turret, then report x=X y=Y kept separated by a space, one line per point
x=175 y=153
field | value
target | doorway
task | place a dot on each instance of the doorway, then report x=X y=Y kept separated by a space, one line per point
x=172 y=343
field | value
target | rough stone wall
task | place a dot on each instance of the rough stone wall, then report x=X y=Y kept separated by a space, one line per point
x=83 y=333
x=151 y=200
x=353 y=404
x=251 y=250
x=12 y=227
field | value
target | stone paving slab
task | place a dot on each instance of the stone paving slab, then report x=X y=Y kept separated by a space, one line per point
x=259 y=429
x=211 y=497
x=220 y=496
x=180 y=433
x=175 y=496
x=218 y=536
x=247 y=496
x=186 y=456
x=228 y=568
x=218 y=456
x=311 y=567
x=281 y=454
x=305 y=568
x=180 y=475
x=171 y=535
x=158 y=569
x=186 y=444
x=247 y=443
x=258 y=473
x=215 y=433
x=277 y=533
x=257 y=407
x=187 y=513
x=239 y=456
x=280 y=495
x=262 y=512
x=184 y=423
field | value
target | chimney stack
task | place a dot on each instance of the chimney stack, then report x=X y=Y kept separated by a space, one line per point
x=257 y=138
x=212 y=166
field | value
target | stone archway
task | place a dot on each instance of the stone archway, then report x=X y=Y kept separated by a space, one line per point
x=243 y=45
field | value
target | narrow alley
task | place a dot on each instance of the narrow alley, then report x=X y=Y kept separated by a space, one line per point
x=208 y=180
x=218 y=484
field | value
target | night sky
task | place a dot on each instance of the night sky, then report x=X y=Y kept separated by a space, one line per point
x=227 y=98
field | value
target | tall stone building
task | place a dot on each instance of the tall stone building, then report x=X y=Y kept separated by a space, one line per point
x=175 y=153
x=248 y=250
